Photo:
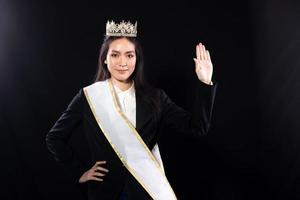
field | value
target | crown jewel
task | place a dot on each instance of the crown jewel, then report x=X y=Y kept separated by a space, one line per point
x=123 y=28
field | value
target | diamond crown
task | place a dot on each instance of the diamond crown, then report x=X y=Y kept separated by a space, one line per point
x=126 y=29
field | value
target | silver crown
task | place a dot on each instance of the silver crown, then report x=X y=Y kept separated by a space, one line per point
x=126 y=29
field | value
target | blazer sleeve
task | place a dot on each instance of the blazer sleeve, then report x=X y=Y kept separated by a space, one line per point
x=58 y=137
x=195 y=122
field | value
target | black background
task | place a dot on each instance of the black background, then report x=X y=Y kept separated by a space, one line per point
x=49 y=50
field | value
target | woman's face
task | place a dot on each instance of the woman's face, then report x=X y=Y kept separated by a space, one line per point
x=121 y=59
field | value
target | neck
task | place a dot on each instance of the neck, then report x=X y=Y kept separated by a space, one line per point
x=122 y=85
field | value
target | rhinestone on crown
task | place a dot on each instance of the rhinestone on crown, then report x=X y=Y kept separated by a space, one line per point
x=126 y=29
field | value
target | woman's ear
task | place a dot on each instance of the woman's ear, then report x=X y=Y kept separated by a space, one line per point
x=105 y=62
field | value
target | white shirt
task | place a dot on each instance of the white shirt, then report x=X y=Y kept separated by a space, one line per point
x=127 y=103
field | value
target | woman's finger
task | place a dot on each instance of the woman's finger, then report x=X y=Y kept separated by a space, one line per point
x=204 y=52
x=201 y=52
x=196 y=64
x=102 y=169
x=197 y=51
x=98 y=174
x=100 y=162
x=208 y=56
x=95 y=178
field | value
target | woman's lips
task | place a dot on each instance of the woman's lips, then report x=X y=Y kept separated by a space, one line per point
x=122 y=71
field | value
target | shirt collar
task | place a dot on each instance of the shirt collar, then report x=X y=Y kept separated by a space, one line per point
x=130 y=91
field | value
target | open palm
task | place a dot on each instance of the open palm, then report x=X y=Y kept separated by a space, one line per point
x=203 y=64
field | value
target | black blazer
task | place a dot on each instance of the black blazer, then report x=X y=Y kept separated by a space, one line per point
x=150 y=118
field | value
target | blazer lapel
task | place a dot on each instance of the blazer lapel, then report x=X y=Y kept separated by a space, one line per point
x=143 y=112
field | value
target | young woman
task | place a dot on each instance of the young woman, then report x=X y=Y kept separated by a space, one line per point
x=121 y=118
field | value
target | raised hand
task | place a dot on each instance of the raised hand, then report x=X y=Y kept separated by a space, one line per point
x=203 y=64
x=95 y=173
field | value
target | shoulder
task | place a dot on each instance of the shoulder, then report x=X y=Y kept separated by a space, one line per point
x=150 y=91
x=93 y=87
x=153 y=95
x=76 y=102
x=80 y=94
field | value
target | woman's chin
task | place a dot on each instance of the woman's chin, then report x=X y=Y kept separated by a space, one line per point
x=123 y=79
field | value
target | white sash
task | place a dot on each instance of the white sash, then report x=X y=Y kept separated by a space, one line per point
x=126 y=142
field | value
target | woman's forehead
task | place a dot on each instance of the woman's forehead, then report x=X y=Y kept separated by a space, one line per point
x=122 y=45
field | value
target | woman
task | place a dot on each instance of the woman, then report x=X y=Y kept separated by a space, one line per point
x=121 y=118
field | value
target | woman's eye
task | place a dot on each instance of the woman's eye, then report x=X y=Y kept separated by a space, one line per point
x=130 y=55
x=113 y=55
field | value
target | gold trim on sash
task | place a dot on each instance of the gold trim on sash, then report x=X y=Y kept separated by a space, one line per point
x=116 y=105
x=113 y=146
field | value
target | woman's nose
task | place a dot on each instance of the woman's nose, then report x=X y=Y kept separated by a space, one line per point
x=123 y=61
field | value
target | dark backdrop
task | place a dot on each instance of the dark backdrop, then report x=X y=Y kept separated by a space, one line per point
x=49 y=50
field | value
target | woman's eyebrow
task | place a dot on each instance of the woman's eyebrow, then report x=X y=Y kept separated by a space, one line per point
x=115 y=51
x=130 y=51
